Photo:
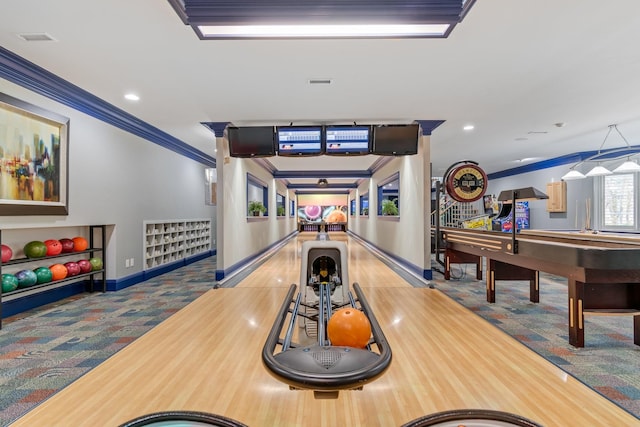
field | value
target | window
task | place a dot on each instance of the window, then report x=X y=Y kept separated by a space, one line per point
x=280 y=206
x=389 y=196
x=352 y=207
x=364 y=205
x=257 y=197
x=619 y=201
x=292 y=208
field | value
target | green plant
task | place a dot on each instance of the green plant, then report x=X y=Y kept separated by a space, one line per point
x=389 y=208
x=281 y=211
x=256 y=208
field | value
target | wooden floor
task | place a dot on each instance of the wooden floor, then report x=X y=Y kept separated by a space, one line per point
x=207 y=357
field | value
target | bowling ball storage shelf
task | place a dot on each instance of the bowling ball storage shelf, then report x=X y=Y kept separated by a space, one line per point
x=92 y=252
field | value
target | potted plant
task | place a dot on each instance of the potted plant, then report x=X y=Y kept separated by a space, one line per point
x=256 y=208
x=389 y=208
x=280 y=211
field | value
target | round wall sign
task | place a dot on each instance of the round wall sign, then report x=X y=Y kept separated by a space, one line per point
x=466 y=183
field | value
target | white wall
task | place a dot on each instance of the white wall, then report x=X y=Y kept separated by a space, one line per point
x=577 y=193
x=241 y=237
x=120 y=179
x=406 y=236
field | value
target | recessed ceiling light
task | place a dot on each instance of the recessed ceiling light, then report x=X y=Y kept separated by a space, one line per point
x=132 y=97
x=468 y=127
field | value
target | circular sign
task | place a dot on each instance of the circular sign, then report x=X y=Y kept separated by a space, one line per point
x=466 y=183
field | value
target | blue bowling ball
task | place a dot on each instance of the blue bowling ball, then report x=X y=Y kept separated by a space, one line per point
x=26 y=278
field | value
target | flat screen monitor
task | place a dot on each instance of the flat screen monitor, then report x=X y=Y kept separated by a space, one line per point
x=347 y=140
x=299 y=140
x=395 y=140
x=251 y=141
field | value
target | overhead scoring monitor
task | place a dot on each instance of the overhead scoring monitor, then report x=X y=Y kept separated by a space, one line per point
x=347 y=140
x=299 y=140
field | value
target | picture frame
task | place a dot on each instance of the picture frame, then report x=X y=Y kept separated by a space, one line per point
x=34 y=159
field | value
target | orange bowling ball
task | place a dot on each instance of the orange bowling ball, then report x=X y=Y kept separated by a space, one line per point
x=58 y=272
x=80 y=244
x=349 y=327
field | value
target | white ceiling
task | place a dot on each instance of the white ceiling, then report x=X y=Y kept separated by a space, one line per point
x=512 y=68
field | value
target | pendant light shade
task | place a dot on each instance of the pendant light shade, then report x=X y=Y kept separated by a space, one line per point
x=573 y=174
x=628 y=166
x=599 y=171
x=606 y=156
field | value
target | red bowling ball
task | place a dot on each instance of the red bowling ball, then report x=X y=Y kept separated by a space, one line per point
x=54 y=247
x=67 y=245
x=73 y=269
x=7 y=253
x=85 y=266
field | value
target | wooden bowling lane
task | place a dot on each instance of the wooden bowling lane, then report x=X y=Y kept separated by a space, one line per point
x=283 y=268
x=207 y=357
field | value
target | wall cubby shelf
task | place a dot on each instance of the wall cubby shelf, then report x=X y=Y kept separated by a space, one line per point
x=166 y=242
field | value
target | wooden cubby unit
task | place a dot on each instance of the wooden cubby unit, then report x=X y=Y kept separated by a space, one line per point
x=166 y=242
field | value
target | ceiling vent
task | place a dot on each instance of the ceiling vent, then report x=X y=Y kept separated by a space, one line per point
x=36 y=37
x=319 y=81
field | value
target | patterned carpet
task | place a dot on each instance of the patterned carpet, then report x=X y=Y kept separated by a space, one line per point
x=609 y=362
x=44 y=350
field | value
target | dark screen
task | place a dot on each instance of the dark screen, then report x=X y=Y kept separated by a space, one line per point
x=255 y=141
x=395 y=140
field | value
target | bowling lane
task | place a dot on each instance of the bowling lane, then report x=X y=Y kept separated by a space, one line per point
x=283 y=268
x=207 y=357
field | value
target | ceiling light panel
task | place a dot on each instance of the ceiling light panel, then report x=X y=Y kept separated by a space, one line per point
x=255 y=19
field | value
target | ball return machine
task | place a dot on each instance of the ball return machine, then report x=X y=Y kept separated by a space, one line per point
x=304 y=358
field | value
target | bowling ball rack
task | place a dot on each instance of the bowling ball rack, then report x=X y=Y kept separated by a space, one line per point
x=320 y=366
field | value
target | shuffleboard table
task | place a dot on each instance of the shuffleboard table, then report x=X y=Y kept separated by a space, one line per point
x=603 y=270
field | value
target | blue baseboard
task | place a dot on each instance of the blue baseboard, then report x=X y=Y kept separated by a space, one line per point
x=28 y=302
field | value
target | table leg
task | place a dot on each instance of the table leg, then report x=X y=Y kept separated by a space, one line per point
x=576 y=316
x=491 y=280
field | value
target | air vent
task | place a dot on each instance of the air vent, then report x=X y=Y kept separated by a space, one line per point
x=36 y=37
x=319 y=81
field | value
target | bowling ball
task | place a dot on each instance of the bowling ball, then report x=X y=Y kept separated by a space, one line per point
x=67 y=245
x=336 y=216
x=73 y=269
x=7 y=253
x=9 y=283
x=54 y=247
x=35 y=249
x=58 y=271
x=349 y=327
x=96 y=264
x=85 y=266
x=80 y=244
x=26 y=278
x=43 y=274
x=312 y=211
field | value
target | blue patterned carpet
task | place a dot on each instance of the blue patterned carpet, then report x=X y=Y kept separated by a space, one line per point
x=610 y=361
x=44 y=350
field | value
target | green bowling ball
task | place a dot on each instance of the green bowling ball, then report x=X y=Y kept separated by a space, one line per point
x=9 y=283
x=43 y=274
